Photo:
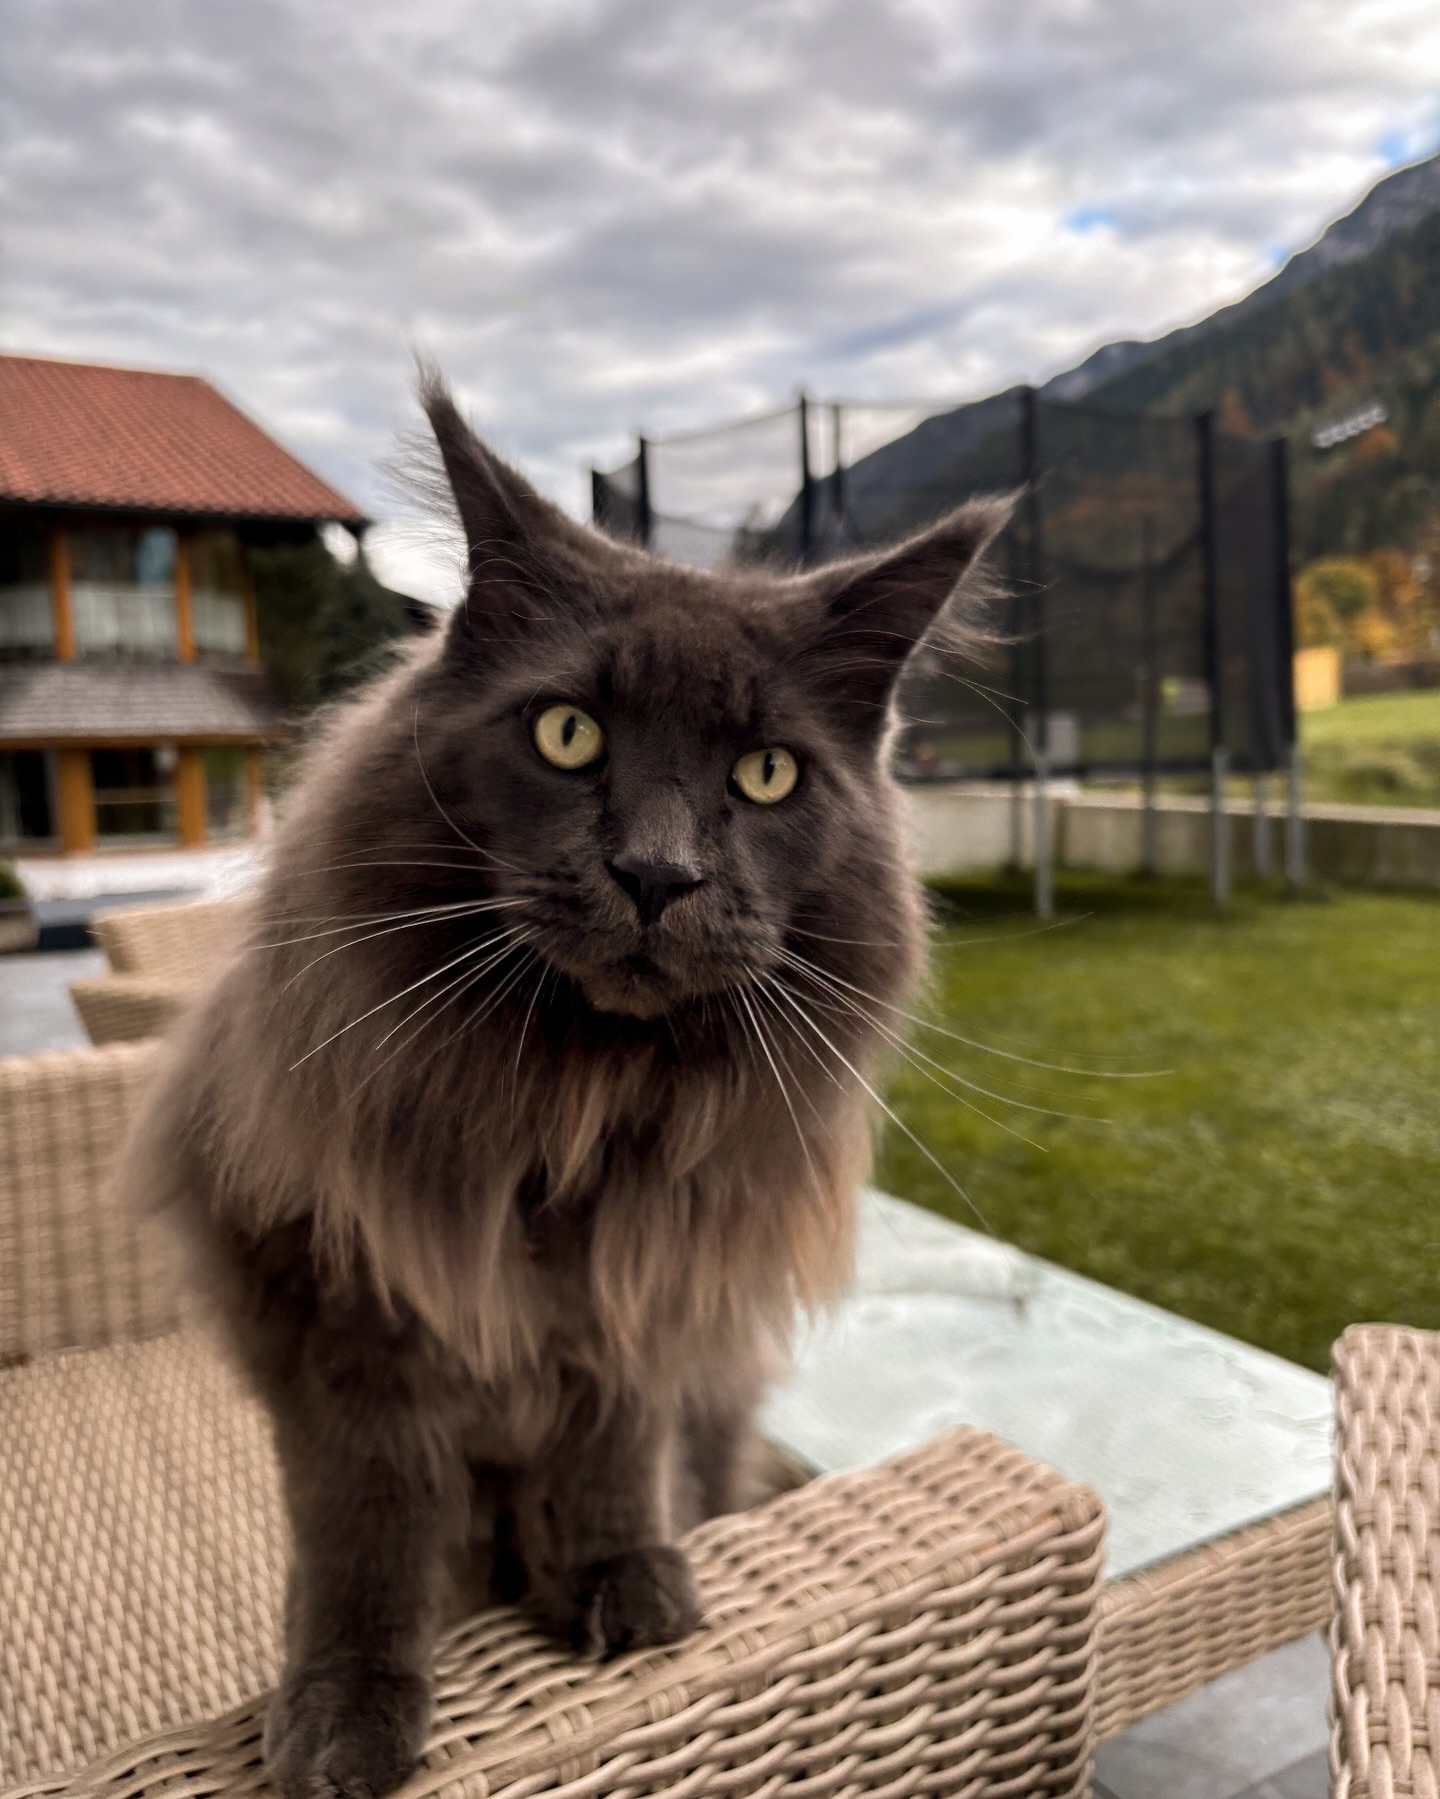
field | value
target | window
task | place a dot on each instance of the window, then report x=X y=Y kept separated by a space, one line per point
x=122 y=591
x=217 y=589
x=27 y=616
x=226 y=800
x=27 y=814
x=134 y=793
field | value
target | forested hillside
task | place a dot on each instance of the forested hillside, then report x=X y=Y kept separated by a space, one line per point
x=1348 y=324
x=1365 y=332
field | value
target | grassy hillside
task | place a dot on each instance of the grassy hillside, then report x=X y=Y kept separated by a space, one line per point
x=1381 y=750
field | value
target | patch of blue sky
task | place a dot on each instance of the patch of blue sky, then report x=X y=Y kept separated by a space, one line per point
x=1411 y=142
x=1084 y=219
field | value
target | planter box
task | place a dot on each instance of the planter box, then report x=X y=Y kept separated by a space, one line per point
x=17 y=925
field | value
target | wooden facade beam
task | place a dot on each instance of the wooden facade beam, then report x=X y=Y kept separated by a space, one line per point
x=254 y=789
x=252 y=611
x=75 y=793
x=184 y=603
x=190 y=809
x=60 y=603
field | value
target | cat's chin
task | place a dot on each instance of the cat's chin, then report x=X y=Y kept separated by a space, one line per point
x=630 y=992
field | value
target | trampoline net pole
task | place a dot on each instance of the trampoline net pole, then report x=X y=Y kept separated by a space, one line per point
x=1220 y=879
x=1260 y=844
x=1295 y=817
x=1149 y=695
x=1044 y=840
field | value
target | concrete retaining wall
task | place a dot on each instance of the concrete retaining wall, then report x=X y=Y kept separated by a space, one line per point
x=963 y=828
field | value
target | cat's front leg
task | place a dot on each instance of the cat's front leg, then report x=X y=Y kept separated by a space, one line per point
x=595 y=1524
x=371 y=1519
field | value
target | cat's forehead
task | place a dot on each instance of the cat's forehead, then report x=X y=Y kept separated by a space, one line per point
x=698 y=646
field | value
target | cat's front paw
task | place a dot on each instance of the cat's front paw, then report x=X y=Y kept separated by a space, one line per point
x=345 y=1733
x=630 y=1601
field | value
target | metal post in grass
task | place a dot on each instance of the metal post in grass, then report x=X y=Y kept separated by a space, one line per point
x=807 y=485
x=1260 y=842
x=1220 y=872
x=1149 y=695
x=1017 y=614
x=1039 y=711
x=1295 y=817
x=1214 y=660
x=1044 y=839
x=644 y=518
x=1294 y=761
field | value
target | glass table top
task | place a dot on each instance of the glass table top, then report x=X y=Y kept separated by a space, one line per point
x=1185 y=1434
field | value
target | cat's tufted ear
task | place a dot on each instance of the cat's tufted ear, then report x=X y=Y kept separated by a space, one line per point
x=867 y=616
x=519 y=547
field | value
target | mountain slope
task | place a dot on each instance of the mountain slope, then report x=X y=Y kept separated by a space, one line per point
x=1350 y=322
x=1397 y=201
x=1366 y=331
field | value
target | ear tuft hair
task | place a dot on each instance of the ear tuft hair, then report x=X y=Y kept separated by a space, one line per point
x=523 y=552
x=491 y=498
x=876 y=610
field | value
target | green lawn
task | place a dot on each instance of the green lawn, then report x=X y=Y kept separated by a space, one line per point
x=1378 y=749
x=1278 y=1179
x=1375 y=718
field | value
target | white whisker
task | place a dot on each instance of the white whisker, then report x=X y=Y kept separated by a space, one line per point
x=784 y=993
x=354 y=942
x=456 y=990
x=989 y=1049
x=435 y=797
x=895 y=1038
x=917 y=1057
x=420 y=915
x=744 y=999
x=545 y=972
x=466 y=975
x=434 y=975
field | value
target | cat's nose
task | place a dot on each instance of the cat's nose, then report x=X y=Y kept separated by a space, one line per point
x=652 y=885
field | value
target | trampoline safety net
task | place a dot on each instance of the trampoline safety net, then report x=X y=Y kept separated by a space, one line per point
x=1147 y=618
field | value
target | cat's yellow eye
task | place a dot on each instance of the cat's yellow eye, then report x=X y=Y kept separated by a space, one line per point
x=568 y=737
x=766 y=775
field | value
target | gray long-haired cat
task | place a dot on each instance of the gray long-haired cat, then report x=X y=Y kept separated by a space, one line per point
x=537 y=1104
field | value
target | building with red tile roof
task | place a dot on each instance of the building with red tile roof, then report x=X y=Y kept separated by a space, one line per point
x=83 y=434
x=133 y=699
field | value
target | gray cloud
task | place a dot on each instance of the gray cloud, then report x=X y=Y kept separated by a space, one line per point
x=602 y=213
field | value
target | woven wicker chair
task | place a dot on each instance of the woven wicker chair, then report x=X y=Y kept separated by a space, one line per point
x=180 y=943
x=925 y=1626
x=126 y=1008
x=158 y=956
x=1385 y=1633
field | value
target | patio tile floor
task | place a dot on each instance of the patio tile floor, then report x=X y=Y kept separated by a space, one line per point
x=1258 y=1733
x=36 y=1011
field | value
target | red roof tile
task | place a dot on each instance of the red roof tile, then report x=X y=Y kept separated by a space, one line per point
x=76 y=434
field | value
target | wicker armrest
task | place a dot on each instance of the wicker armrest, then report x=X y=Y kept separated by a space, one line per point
x=1385 y=1631
x=924 y=1626
x=75 y=1270
x=125 y=1008
x=176 y=943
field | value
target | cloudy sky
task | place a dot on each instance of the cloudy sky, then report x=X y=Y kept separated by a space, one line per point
x=603 y=215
